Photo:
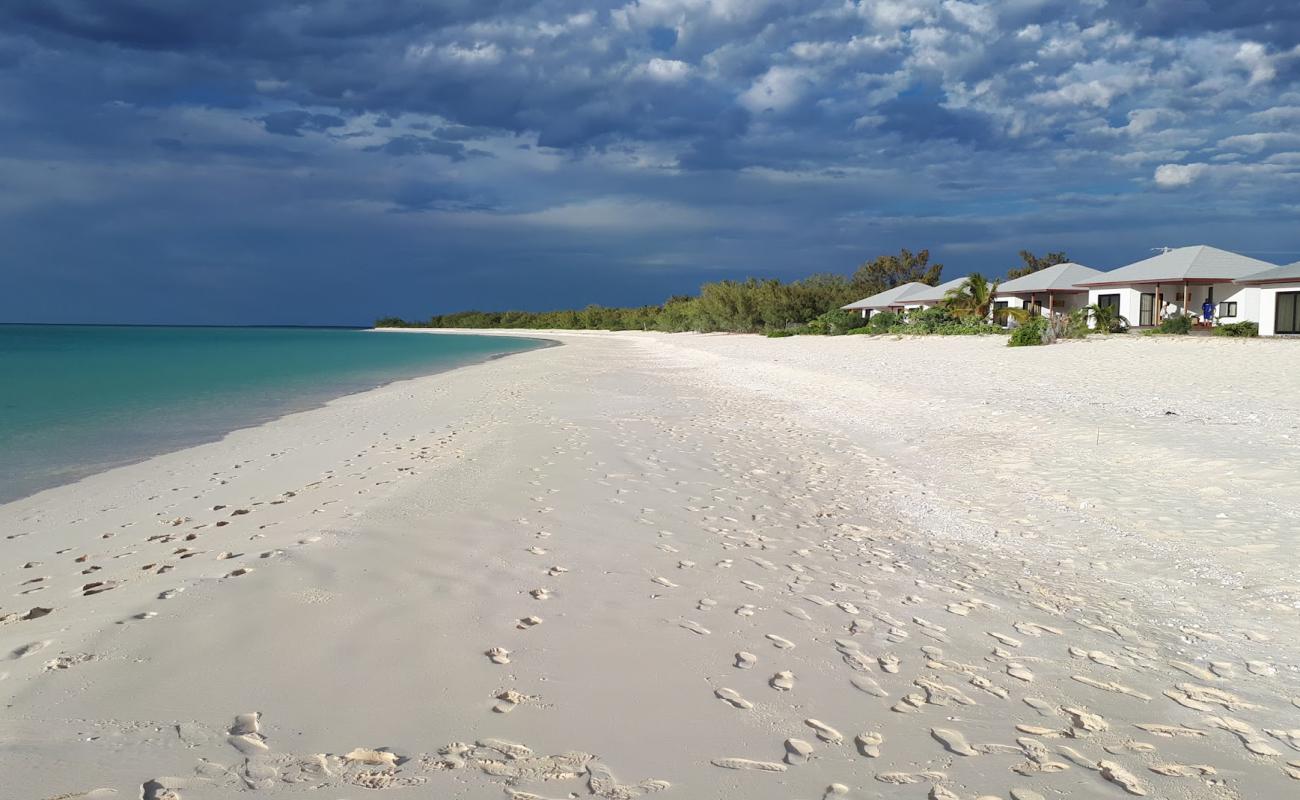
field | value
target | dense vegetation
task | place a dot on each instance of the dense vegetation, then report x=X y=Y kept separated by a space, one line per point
x=811 y=305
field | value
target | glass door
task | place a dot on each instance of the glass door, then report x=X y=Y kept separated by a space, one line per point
x=1288 y=313
x=1147 y=311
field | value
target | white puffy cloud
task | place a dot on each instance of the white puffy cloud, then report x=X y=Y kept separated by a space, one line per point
x=666 y=70
x=777 y=89
x=1173 y=176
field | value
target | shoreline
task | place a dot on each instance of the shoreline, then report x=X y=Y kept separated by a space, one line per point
x=72 y=475
x=907 y=549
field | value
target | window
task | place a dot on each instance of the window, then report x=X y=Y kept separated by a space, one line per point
x=1227 y=309
x=1147 y=310
x=1108 y=301
x=999 y=312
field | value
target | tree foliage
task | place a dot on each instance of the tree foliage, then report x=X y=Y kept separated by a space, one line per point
x=973 y=299
x=888 y=271
x=749 y=306
x=1034 y=263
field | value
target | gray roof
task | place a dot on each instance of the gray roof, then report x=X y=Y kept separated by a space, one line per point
x=887 y=298
x=1185 y=263
x=930 y=295
x=1058 y=278
x=1289 y=272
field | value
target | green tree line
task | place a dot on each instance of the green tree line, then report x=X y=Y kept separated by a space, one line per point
x=750 y=306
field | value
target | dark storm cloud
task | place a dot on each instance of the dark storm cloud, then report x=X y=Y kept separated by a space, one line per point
x=610 y=149
x=293 y=123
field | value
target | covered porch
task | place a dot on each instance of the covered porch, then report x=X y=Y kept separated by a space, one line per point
x=1047 y=303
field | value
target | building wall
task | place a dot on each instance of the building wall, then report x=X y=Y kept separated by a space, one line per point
x=1128 y=300
x=1266 y=303
x=1063 y=304
x=1247 y=299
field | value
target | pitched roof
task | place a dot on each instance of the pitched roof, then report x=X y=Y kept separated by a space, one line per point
x=1057 y=278
x=1184 y=263
x=933 y=294
x=1291 y=272
x=887 y=298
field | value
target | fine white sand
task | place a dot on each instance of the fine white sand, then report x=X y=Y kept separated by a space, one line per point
x=692 y=566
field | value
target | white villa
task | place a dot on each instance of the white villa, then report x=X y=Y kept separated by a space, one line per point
x=930 y=296
x=1278 y=299
x=1054 y=290
x=888 y=300
x=1180 y=281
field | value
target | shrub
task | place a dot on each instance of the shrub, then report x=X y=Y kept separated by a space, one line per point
x=882 y=321
x=835 y=323
x=1031 y=332
x=929 y=320
x=1242 y=329
x=780 y=334
x=1180 y=325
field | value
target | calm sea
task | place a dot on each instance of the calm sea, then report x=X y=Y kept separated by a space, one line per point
x=78 y=399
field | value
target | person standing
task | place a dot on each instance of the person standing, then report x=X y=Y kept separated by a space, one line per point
x=1207 y=311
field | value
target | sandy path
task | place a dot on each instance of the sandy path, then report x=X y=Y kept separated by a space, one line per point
x=719 y=567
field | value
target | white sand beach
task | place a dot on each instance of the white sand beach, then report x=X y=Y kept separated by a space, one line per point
x=694 y=567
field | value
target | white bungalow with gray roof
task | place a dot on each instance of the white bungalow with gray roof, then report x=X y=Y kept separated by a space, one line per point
x=1054 y=290
x=1278 y=301
x=930 y=296
x=1180 y=281
x=888 y=300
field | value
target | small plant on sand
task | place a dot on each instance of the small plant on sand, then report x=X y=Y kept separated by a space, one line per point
x=1106 y=319
x=780 y=334
x=1179 y=324
x=1075 y=325
x=1031 y=332
x=1242 y=329
x=882 y=321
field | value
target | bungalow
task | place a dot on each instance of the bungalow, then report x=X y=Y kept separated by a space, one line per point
x=1054 y=290
x=888 y=300
x=1279 y=299
x=930 y=296
x=1180 y=281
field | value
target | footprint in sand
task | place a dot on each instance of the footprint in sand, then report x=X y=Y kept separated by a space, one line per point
x=780 y=642
x=797 y=751
x=29 y=649
x=498 y=655
x=745 y=660
x=782 y=681
x=869 y=743
x=528 y=622
x=748 y=764
x=694 y=627
x=953 y=741
x=732 y=698
x=824 y=732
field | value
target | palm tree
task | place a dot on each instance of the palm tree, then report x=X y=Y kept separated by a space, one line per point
x=1106 y=319
x=974 y=298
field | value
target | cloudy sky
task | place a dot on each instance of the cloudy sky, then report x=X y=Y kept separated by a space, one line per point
x=308 y=161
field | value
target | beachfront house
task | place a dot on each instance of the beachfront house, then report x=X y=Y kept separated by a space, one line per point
x=1054 y=290
x=1179 y=281
x=930 y=296
x=1278 y=299
x=888 y=300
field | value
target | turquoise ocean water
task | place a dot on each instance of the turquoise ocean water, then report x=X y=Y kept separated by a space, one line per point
x=78 y=399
